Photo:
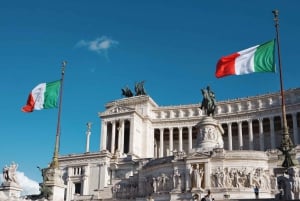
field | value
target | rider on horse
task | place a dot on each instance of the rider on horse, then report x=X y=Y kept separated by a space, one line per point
x=208 y=101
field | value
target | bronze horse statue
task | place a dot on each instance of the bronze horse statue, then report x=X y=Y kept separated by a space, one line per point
x=139 y=88
x=208 y=102
x=127 y=92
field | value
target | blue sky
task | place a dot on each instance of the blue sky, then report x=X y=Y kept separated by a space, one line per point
x=172 y=45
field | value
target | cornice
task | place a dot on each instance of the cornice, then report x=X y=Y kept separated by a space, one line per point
x=132 y=101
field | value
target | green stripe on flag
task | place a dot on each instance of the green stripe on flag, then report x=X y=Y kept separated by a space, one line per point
x=51 y=94
x=264 y=58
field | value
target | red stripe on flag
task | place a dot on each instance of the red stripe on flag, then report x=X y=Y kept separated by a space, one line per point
x=29 y=105
x=225 y=65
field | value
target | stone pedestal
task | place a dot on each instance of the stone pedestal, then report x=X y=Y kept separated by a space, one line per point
x=11 y=190
x=54 y=182
x=209 y=135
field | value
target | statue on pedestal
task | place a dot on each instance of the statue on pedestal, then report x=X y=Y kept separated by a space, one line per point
x=208 y=102
x=9 y=173
x=196 y=176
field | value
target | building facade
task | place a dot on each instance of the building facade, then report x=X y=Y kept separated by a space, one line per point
x=139 y=138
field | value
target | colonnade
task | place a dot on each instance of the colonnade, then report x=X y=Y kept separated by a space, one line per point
x=180 y=147
x=115 y=136
x=251 y=134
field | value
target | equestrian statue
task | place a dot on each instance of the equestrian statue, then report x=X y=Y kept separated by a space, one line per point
x=208 y=102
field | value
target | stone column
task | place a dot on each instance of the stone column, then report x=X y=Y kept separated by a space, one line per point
x=85 y=178
x=272 y=132
x=103 y=135
x=69 y=188
x=180 y=140
x=155 y=150
x=250 y=130
x=171 y=141
x=113 y=137
x=229 y=136
x=190 y=138
x=295 y=128
x=261 y=134
x=88 y=134
x=121 y=136
x=161 y=143
x=240 y=135
x=131 y=137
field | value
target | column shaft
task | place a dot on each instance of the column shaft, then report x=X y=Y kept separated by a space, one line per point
x=113 y=137
x=272 y=133
x=171 y=141
x=229 y=136
x=190 y=139
x=103 y=135
x=261 y=135
x=240 y=135
x=161 y=143
x=180 y=140
x=250 y=130
x=131 y=136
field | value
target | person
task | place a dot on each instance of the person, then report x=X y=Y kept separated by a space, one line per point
x=256 y=192
x=208 y=197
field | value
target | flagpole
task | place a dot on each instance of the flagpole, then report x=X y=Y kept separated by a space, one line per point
x=286 y=142
x=54 y=163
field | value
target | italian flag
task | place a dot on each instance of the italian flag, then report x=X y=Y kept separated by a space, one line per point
x=259 y=58
x=43 y=96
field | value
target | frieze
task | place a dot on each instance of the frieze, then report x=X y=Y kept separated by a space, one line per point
x=242 y=177
x=175 y=124
x=82 y=161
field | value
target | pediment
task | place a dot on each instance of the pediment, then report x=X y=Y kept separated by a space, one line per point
x=117 y=110
x=200 y=155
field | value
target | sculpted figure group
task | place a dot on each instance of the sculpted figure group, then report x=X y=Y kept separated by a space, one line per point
x=138 y=88
x=9 y=173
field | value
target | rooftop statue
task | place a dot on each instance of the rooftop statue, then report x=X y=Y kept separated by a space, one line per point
x=208 y=102
x=139 y=88
x=127 y=92
x=9 y=173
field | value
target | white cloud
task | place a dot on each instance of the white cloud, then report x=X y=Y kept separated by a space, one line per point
x=99 y=45
x=30 y=187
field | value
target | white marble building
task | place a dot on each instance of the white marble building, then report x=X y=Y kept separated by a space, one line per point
x=149 y=150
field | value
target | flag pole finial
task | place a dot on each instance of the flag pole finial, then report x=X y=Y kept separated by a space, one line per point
x=286 y=142
x=63 y=66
